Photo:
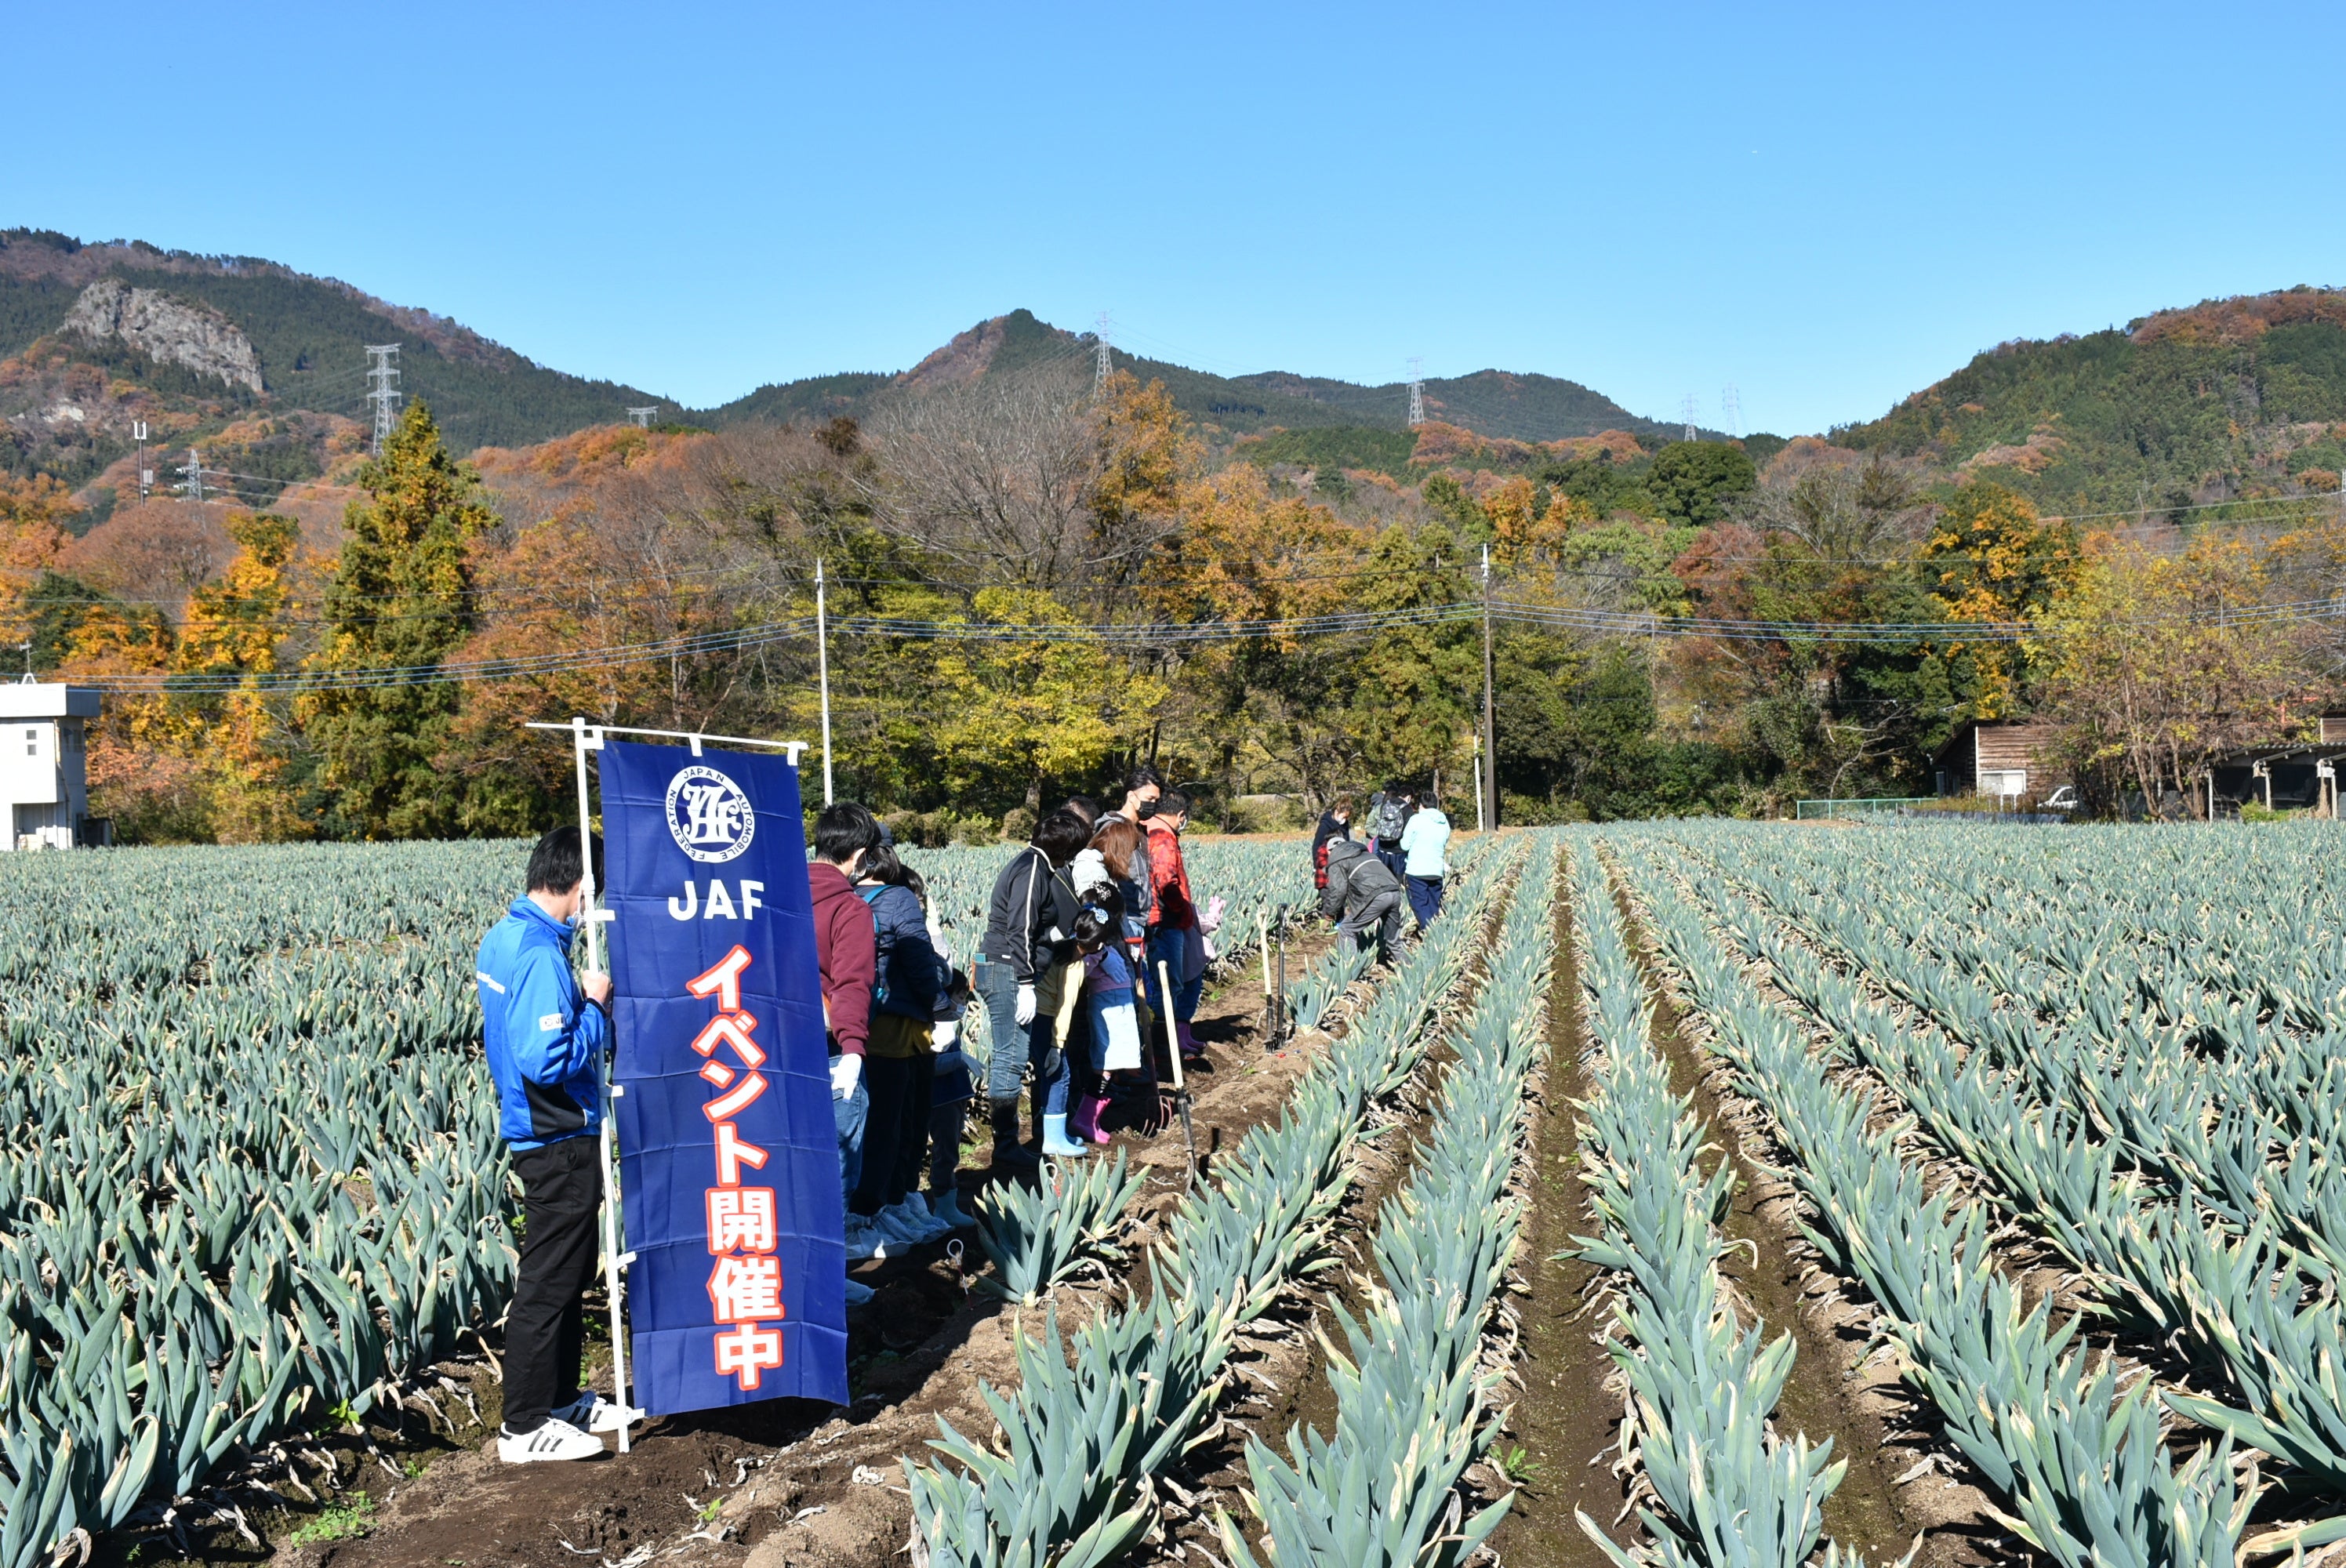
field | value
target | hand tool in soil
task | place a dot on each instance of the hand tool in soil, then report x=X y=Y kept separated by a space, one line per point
x=1173 y=1052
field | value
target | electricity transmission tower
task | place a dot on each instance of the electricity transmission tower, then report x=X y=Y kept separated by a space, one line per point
x=382 y=389
x=642 y=417
x=1416 y=390
x=1100 y=370
x=1687 y=408
x=193 y=486
x=1730 y=408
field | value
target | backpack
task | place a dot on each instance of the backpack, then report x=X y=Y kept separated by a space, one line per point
x=879 y=970
x=1391 y=817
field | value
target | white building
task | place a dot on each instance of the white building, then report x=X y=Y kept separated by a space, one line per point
x=43 y=764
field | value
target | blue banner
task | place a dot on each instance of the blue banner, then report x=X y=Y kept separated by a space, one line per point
x=729 y=1156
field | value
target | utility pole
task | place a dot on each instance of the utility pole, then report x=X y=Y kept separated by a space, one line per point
x=382 y=389
x=1416 y=391
x=642 y=417
x=1687 y=408
x=146 y=474
x=1490 y=748
x=822 y=674
x=1103 y=367
x=1730 y=406
x=194 y=487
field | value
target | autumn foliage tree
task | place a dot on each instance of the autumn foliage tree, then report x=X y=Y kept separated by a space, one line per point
x=2149 y=677
x=1990 y=559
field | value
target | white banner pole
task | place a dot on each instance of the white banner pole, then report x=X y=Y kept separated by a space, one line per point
x=591 y=918
x=823 y=672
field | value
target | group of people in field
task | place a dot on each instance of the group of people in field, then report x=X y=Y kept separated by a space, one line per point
x=1089 y=971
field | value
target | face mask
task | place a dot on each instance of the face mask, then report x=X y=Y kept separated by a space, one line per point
x=1147 y=810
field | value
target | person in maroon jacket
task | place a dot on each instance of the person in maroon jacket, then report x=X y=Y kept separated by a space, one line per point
x=846 y=951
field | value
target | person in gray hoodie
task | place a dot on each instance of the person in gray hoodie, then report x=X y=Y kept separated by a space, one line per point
x=1362 y=896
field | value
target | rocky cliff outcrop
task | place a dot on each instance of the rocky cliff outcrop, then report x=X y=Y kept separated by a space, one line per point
x=167 y=331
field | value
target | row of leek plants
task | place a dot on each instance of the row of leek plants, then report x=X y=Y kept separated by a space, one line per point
x=2172 y=1267
x=1416 y=1396
x=1039 y=1236
x=1733 y=1493
x=2083 y=1468
x=1096 y=1418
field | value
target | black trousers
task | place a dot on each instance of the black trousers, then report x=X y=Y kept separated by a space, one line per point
x=896 y=1138
x=546 y=1331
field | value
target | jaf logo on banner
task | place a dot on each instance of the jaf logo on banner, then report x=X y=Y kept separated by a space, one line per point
x=728 y=1154
x=708 y=815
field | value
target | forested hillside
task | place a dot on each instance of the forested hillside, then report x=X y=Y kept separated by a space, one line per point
x=1499 y=404
x=307 y=335
x=2240 y=400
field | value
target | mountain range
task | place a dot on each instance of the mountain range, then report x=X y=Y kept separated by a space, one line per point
x=95 y=337
x=265 y=368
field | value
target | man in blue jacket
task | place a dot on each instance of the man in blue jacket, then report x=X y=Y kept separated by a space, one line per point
x=546 y=1031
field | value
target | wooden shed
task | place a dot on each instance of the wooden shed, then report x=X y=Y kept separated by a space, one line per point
x=2007 y=756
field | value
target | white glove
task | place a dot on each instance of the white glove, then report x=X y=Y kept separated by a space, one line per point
x=846 y=1068
x=1025 y=1014
x=943 y=1034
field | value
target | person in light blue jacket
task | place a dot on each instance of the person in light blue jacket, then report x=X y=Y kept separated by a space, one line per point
x=546 y=1031
x=1425 y=844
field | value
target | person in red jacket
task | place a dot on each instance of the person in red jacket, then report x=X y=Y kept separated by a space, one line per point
x=1174 y=938
x=846 y=951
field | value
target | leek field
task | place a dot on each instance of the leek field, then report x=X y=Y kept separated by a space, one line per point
x=2061 y=1111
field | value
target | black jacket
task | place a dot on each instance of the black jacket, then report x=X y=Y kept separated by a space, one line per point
x=1354 y=877
x=1029 y=903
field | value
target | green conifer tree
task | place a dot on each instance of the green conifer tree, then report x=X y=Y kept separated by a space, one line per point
x=401 y=599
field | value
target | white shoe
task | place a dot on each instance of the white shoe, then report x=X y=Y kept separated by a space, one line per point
x=857 y=1293
x=555 y=1440
x=591 y=1412
x=865 y=1239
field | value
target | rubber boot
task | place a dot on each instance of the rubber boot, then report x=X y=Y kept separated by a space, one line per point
x=1056 y=1144
x=1190 y=1049
x=946 y=1205
x=1007 y=1153
x=1083 y=1119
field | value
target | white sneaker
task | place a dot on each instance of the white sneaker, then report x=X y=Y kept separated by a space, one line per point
x=556 y=1439
x=857 y=1293
x=864 y=1239
x=591 y=1412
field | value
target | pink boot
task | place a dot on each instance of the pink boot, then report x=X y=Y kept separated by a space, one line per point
x=1083 y=1118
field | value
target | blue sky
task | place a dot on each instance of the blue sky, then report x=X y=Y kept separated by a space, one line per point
x=1825 y=207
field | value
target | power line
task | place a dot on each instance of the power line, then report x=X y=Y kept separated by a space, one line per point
x=1171 y=634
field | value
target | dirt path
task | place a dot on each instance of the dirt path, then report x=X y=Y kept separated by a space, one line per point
x=822 y=1484
x=1563 y=1421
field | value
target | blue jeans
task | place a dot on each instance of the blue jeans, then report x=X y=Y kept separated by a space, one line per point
x=1171 y=948
x=1425 y=899
x=999 y=989
x=848 y=1116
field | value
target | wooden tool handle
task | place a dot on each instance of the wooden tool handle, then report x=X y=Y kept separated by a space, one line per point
x=1172 y=1036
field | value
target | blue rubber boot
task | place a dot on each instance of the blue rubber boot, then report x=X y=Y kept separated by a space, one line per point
x=1056 y=1145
